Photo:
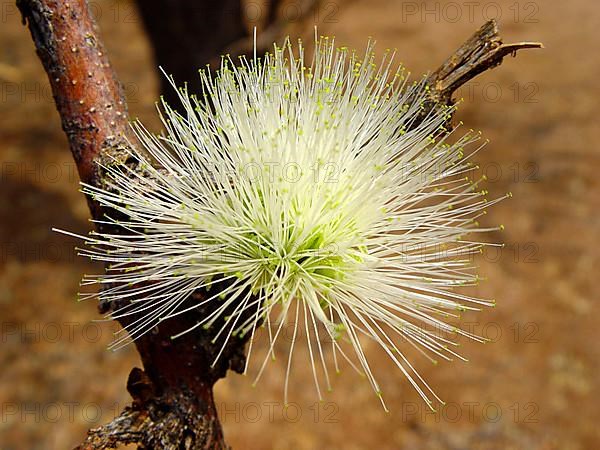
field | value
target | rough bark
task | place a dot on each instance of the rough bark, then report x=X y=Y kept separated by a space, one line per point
x=483 y=51
x=173 y=405
x=87 y=94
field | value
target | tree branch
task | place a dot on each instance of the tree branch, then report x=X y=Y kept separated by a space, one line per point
x=173 y=405
x=186 y=35
x=483 y=51
x=86 y=91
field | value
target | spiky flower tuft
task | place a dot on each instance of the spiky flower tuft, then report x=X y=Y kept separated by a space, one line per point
x=327 y=195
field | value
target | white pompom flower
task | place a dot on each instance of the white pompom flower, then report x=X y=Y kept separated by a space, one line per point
x=328 y=195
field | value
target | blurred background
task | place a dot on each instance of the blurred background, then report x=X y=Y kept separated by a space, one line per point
x=534 y=386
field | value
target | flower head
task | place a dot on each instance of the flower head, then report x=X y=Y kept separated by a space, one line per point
x=329 y=194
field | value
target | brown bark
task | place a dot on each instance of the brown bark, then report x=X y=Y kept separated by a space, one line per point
x=483 y=51
x=173 y=405
x=87 y=94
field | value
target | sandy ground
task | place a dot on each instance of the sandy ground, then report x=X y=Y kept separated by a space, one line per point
x=533 y=387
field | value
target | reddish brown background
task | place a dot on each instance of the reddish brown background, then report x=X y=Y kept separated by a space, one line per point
x=533 y=388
